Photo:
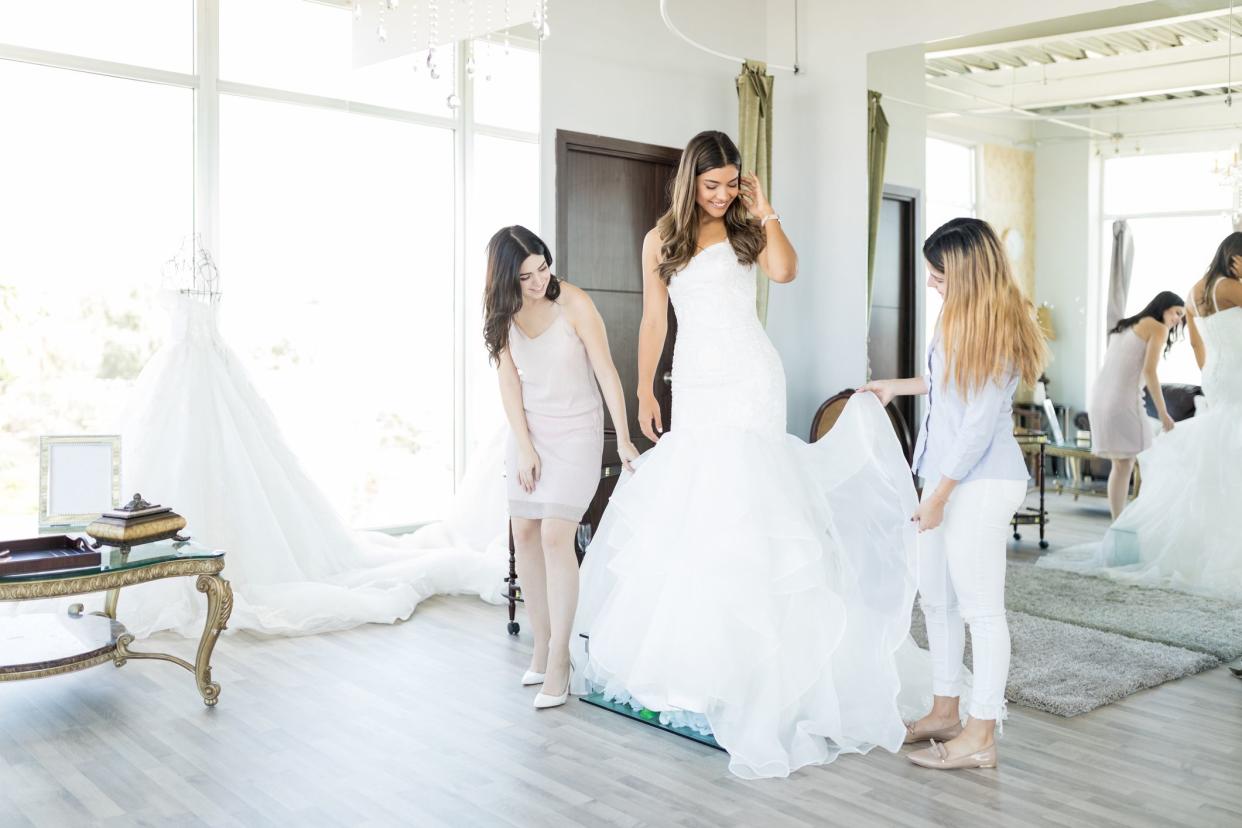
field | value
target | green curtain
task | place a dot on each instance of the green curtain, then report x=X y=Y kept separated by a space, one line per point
x=754 y=126
x=877 y=146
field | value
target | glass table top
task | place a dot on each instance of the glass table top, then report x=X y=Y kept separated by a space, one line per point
x=112 y=559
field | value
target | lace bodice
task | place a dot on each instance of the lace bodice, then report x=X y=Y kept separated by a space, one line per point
x=725 y=370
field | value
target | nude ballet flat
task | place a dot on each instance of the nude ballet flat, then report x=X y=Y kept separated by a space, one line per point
x=530 y=677
x=943 y=735
x=936 y=757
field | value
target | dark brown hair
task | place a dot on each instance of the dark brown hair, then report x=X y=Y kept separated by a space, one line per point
x=1220 y=268
x=678 y=228
x=502 y=295
x=1155 y=309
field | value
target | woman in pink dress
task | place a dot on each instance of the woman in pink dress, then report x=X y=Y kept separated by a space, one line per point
x=1119 y=427
x=550 y=348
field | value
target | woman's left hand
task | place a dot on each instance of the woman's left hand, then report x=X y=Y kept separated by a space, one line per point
x=1166 y=422
x=929 y=514
x=754 y=199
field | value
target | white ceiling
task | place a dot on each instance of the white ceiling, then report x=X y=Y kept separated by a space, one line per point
x=1184 y=59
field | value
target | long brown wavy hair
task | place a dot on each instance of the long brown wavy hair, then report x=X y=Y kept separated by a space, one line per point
x=679 y=226
x=1220 y=268
x=502 y=295
x=988 y=324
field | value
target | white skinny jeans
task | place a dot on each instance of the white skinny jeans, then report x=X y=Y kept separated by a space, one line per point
x=962 y=581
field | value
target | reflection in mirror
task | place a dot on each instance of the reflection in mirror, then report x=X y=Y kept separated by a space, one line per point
x=1104 y=153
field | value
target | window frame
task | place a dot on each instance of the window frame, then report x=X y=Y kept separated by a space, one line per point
x=1097 y=330
x=208 y=88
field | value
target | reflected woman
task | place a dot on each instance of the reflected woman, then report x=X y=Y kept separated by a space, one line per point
x=1119 y=427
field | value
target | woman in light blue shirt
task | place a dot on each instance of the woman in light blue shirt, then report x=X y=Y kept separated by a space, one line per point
x=974 y=479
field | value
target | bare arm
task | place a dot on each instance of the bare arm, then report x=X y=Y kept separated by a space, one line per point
x=1196 y=339
x=651 y=335
x=515 y=413
x=589 y=326
x=1155 y=334
x=887 y=389
x=778 y=258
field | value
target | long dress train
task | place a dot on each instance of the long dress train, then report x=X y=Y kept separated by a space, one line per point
x=1181 y=532
x=197 y=436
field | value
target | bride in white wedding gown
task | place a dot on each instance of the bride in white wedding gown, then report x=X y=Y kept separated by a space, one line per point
x=1182 y=529
x=742 y=582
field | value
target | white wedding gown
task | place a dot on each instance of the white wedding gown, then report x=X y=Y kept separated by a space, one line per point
x=743 y=582
x=1182 y=531
x=198 y=437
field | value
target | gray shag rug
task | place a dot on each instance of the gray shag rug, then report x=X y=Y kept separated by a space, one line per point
x=1194 y=622
x=1067 y=670
x=1081 y=642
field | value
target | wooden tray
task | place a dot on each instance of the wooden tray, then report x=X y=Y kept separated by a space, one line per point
x=48 y=554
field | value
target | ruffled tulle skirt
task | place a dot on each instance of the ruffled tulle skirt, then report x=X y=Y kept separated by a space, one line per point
x=1181 y=532
x=751 y=585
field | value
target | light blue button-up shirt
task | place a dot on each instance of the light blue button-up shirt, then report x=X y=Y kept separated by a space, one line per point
x=967 y=437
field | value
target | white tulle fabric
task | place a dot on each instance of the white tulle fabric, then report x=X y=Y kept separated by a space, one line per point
x=1181 y=531
x=196 y=435
x=743 y=582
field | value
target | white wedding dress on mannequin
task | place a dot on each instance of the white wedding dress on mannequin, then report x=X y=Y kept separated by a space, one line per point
x=742 y=582
x=197 y=436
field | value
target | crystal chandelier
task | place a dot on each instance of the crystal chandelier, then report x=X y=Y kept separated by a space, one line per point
x=1229 y=174
x=477 y=63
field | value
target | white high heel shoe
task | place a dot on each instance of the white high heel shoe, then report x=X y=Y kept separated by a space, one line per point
x=544 y=701
x=530 y=677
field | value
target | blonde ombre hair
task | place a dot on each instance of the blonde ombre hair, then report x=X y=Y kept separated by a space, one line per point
x=988 y=324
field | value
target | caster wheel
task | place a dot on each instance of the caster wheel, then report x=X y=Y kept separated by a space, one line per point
x=1043 y=544
x=1016 y=536
x=513 y=628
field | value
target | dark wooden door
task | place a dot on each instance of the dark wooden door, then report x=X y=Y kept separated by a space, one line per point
x=891 y=343
x=609 y=193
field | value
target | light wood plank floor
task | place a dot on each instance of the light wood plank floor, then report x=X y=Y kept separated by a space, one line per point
x=424 y=723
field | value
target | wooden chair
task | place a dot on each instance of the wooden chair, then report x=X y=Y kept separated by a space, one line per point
x=826 y=417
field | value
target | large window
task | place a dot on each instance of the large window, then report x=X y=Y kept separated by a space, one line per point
x=346 y=208
x=97 y=179
x=339 y=290
x=1178 y=210
x=504 y=190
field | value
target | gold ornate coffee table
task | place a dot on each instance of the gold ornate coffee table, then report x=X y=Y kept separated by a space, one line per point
x=50 y=644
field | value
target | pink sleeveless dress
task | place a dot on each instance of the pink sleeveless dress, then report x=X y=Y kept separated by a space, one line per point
x=565 y=417
x=1120 y=428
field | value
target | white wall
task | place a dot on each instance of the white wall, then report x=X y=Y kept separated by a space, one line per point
x=611 y=68
x=823 y=117
x=899 y=75
x=1066 y=262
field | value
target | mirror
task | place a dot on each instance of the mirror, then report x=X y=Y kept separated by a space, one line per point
x=1104 y=152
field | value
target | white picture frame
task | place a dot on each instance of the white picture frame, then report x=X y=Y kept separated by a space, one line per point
x=79 y=478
